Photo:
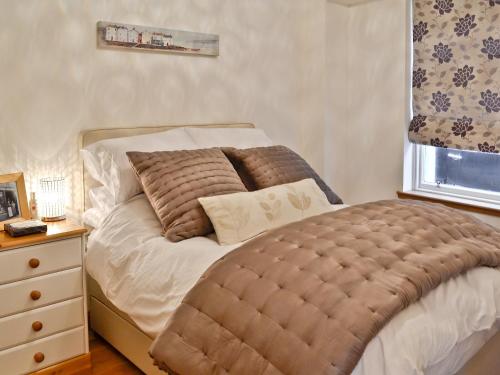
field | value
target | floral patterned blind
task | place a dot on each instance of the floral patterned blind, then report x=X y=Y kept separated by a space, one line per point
x=456 y=74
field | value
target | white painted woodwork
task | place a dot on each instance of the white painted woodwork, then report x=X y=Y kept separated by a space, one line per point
x=56 y=348
x=54 y=287
x=123 y=335
x=52 y=267
x=17 y=329
x=53 y=256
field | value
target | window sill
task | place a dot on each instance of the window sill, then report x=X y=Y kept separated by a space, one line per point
x=453 y=202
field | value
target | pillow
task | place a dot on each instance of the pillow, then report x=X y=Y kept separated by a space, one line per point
x=241 y=216
x=107 y=162
x=174 y=180
x=101 y=198
x=224 y=137
x=263 y=167
x=102 y=204
x=93 y=217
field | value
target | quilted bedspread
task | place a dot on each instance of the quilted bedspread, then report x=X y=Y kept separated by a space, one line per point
x=308 y=297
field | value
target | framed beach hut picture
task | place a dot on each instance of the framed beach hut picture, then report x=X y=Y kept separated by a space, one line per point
x=118 y=35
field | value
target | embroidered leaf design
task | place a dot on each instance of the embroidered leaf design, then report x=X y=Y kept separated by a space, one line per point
x=306 y=201
x=265 y=206
x=231 y=217
x=225 y=225
x=271 y=205
x=295 y=201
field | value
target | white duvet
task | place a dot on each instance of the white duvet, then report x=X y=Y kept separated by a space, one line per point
x=146 y=276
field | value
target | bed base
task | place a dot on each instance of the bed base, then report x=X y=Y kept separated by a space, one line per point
x=123 y=336
x=118 y=329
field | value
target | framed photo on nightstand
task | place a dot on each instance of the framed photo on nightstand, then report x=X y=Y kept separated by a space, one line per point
x=13 y=199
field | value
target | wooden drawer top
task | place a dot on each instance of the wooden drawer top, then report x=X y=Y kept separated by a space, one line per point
x=58 y=230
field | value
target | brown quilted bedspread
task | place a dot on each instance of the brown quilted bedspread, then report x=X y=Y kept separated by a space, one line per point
x=308 y=297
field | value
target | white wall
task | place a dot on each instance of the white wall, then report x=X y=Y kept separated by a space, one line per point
x=371 y=50
x=337 y=86
x=377 y=99
x=56 y=83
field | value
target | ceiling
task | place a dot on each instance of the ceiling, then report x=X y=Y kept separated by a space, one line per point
x=350 y=2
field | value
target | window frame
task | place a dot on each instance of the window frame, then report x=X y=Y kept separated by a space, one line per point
x=449 y=191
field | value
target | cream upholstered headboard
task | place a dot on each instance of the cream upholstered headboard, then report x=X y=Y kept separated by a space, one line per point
x=89 y=137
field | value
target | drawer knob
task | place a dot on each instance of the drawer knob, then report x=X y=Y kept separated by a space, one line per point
x=37 y=326
x=35 y=295
x=34 y=263
x=39 y=357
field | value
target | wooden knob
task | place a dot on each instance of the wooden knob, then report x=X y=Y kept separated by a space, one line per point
x=39 y=357
x=37 y=326
x=34 y=263
x=35 y=295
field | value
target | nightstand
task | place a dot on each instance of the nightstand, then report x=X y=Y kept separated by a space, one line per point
x=43 y=308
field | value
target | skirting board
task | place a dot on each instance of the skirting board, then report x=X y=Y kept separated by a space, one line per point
x=123 y=336
x=81 y=365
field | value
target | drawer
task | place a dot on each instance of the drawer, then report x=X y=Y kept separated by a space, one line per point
x=52 y=257
x=55 y=287
x=55 y=349
x=21 y=328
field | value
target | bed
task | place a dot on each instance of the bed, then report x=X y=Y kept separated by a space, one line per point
x=120 y=269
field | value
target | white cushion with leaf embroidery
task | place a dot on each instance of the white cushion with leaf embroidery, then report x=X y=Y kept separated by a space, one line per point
x=241 y=216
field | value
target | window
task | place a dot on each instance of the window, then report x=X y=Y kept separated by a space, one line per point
x=466 y=174
x=455 y=100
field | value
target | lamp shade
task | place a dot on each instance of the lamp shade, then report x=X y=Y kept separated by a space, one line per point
x=52 y=199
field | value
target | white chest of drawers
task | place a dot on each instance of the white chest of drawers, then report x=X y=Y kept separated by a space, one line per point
x=43 y=307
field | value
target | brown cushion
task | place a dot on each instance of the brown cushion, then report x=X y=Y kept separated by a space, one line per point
x=263 y=167
x=174 y=180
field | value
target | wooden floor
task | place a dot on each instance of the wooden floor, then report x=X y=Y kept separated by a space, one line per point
x=106 y=360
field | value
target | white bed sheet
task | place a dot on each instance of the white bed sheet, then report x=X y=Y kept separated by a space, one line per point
x=146 y=276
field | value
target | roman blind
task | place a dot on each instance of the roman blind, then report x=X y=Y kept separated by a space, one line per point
x=456 y=74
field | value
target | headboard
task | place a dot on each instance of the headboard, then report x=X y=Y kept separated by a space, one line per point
x=89 y=137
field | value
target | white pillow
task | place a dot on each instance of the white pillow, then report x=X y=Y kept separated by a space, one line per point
x=102 y=204
x=229 y=137
x=93 y=217
x=107 y=162
x=101 y=199
x=241 y=216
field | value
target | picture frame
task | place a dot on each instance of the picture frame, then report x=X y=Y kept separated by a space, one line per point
x=13 y=199
x=156 y=39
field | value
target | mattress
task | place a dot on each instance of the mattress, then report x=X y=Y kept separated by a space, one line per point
x=146 y=276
